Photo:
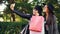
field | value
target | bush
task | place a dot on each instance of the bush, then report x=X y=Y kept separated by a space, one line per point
x=14 y=27
x=11 y=27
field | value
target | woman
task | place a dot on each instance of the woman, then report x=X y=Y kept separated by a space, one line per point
x=51 y=24
x=37 y=11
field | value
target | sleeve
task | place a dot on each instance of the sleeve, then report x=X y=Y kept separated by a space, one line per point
x=55 y=26
x=27 y=16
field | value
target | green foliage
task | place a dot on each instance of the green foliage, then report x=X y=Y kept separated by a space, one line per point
x=24 y=7
x=11 y=27
x=14 y=27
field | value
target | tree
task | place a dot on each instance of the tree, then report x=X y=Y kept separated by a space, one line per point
x=12 y=14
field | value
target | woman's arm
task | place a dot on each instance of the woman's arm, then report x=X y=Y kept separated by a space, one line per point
x=19 y=13
x=28 y=16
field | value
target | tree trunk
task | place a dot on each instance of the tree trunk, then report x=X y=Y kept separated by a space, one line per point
x=13 y=16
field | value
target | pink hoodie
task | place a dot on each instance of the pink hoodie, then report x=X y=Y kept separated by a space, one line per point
x=36 y=23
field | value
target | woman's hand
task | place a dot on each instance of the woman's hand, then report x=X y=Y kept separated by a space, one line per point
x=12 y=6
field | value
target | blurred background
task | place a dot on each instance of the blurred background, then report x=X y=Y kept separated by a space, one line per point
x=11 y=23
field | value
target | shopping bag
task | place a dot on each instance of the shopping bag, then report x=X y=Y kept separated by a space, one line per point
x=36 y=23
x=25 y=30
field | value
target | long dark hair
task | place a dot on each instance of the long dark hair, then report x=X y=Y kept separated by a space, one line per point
x=39 y=8
x=51 y=9
x=50 y=14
